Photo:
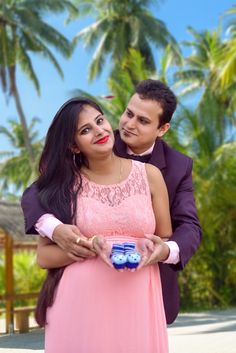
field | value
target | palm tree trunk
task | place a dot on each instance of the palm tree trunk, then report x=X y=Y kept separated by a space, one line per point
x=15 y=93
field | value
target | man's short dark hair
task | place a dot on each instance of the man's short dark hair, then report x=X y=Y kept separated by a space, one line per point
x=157 y=91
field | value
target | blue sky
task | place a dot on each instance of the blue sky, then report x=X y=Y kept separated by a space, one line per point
x=177 y=15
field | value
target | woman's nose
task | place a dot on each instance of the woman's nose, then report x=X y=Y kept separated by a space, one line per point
x=98 y=130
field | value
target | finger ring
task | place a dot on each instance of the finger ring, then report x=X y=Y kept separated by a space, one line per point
x=92 y=239
x=78 y=240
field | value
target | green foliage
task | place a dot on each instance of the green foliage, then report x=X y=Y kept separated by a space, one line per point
x=209 y=281
x=23 y=30
x=15 y=169
x=227 y=59
x=120 y=26
x=126 y=33
x=28 y=277
x=121 y=85
x=200 y=73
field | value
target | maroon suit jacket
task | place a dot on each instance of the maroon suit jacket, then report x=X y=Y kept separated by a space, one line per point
x=177 y=172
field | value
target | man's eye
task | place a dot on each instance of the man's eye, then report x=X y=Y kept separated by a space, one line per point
x=129 y=114
x=143 y=121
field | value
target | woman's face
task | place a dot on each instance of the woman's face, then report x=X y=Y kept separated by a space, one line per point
x=94 y=135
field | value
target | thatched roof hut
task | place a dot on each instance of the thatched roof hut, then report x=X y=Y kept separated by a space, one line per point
x=12 y=221
x=12 y=237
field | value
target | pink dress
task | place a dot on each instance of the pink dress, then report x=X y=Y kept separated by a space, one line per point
x=98 y=309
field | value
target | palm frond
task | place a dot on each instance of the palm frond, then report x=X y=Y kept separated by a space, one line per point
x=99 y=56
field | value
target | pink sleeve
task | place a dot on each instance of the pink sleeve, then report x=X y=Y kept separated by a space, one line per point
x=46 y=225
x=174 y=253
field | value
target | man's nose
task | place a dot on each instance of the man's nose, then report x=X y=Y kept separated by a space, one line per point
x=131 y=123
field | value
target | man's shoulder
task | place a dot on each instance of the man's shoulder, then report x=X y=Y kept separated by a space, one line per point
x=173 y=161
x=172 y=153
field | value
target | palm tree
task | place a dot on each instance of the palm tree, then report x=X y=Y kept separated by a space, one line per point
x=23 y=31
x=119 y=26
x=200 y=67
x=15 y=170
x=122 y=81
x=212 y=121
x=227 y=59
x=121 y=84
x=209 y=279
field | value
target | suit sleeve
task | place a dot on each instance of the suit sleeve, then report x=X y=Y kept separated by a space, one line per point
x=185 y=222
x=32 y=208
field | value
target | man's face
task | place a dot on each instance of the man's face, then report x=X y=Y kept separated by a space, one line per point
x=139 y=124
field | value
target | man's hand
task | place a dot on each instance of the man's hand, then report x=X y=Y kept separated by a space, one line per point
x=159 y=252
x=66 y=235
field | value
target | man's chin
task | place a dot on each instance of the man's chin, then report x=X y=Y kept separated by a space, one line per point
x=128 y=141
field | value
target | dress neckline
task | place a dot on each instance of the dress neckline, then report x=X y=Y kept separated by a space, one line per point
x=110 y=185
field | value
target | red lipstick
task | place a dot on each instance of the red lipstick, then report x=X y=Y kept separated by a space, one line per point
x=102 y=140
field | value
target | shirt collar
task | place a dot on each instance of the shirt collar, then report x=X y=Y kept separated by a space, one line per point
x=149 y=151
x=157 y=156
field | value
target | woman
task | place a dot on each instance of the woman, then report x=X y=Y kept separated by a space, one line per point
x=95 y=308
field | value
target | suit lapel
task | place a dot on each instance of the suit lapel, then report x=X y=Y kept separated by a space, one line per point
x=158 y=157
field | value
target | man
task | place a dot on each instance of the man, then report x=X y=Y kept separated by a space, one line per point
x=145 y=120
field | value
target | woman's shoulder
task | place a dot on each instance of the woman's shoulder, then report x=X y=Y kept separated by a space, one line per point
x=154 y=176
x=152 y=171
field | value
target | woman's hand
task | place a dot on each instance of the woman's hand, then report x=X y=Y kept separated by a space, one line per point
x=153 y=250
x=69 y=238
x=102 y=248
x=145 y=247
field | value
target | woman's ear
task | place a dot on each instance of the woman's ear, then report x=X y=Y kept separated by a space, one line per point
x=74 y=149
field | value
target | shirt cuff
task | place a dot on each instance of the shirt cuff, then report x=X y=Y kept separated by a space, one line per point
x=46 y=225
x=173 y=257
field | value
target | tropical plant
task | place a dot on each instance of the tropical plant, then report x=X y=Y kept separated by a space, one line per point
x=227 y=59
x=23 y=32
x=214 y=117
x=121 y=82
x=119 y=26
x=200 y=67
x=28 y=277
x=15 y=170
x=209 y=279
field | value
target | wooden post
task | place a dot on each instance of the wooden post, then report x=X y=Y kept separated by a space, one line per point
x=9 y=283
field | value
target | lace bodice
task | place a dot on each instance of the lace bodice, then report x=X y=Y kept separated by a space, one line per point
x=122 y=209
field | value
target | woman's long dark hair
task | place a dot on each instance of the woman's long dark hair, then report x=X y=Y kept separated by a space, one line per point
x=59 y=183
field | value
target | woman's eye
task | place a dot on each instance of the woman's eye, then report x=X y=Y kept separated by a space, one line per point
x=100 y=121
x=84 y=131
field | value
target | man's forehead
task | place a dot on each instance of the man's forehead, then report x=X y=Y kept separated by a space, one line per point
x=144 y=107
